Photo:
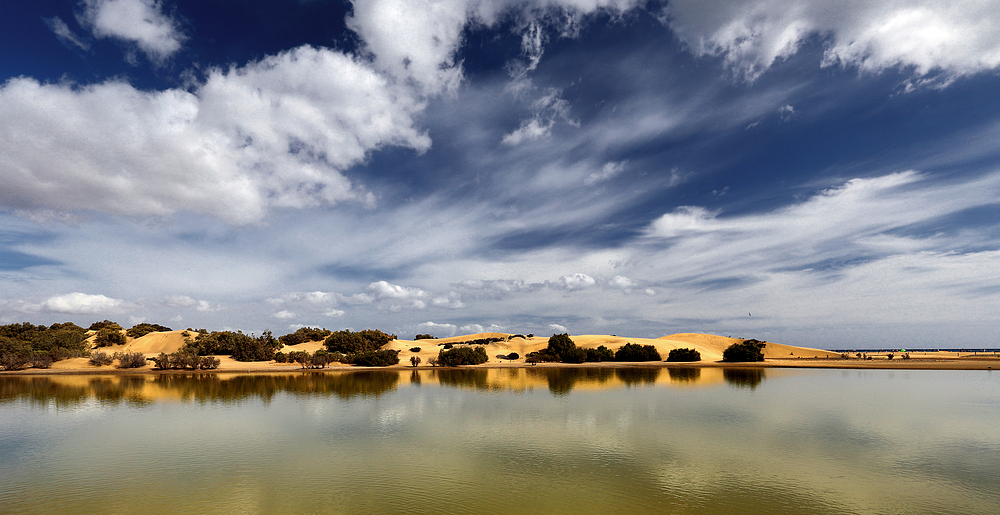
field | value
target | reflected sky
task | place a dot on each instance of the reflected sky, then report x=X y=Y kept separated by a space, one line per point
x=505 y=441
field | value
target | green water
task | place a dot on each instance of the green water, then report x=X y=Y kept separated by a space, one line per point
x=504 y=441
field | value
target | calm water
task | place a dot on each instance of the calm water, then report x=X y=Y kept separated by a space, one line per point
x=504 y=441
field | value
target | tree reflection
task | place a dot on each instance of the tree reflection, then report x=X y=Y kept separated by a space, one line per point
x=684 y=375
x=637 y=376
x=562 y=380
x=743 y=377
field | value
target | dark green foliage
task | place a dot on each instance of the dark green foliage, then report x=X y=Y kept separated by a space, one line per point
x=448 y=346
x=130 y=359
x=106 y=324
x=684 y=355
x=462 y=356
x=41 y=360
x=425 y=337
x=745 y=351
x=24 y=344
x=250 y=348
x=209 y=363
x=301 y=357
x=280 y=357
x=109 y=336
x=600 y=354
x=560 y=344
x=140 y=330
x=636 y=352
x=303 y=335
x=743 y=377
x=574 y=355
x=349 y=342
x=541 y=356
x=160 y=362
x=100 y=359
x=375 y=358
x=414 y=349
x=513 y=355
x=414 y=360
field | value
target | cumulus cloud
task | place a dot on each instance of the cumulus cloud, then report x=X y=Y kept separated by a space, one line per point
x=561 y=329
x=334 y=313
x=448 y=329
x=387 y=290
x=82 y=304
x=284 y=314
x=953 y=38
x=274 y=133
x=452 y=300
x=577 y=281
x=141 y=22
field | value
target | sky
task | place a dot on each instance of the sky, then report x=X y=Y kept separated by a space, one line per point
x=823 y=174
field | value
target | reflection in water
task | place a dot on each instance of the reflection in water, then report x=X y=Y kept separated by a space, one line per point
x=562 y=380
x=684 y=375
x=743 y=377
x=637 y=376
x=41 y=391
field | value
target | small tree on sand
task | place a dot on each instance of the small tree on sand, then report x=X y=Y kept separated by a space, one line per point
x=414 y=360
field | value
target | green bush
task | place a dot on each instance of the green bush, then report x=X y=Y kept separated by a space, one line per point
x=574 y=355
x=140 y=330
x=415 y=349
x=106 y=324
x=600 y=354
x=462 y=356
x=130 y=359
x=513 y=355
x=349 y=342
x=636 y=352
x=107 y=337
x=560 y=344
x=684 y=355
x=304 y=334
x=209 y=363
x=744 y=351
x=23 y=344
x=253 y=348
x=280 y=357
x=160 y=362
x=425 y=337
x=375 y=358
x=100 y=359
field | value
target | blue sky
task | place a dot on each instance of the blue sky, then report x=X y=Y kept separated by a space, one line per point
x=590 y=166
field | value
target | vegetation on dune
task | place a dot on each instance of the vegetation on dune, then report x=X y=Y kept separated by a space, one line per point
x=679 y=355
x=109 y=336
x=636 y=352
x=304 y=334
x=130 y=359
x=425 y=337
x=242 y=347
x=140 y=330
x=350 y=342
x=24 y=344
x=744 y=351
x=375 y=358
x=458 y=356
x=105 y=324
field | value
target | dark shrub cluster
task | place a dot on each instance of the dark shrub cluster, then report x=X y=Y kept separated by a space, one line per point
x=414 y=360
x=745 y=351
x=374 y=358
x=242 y=347
x=477 y=341
x=684 y=355
x=109 y=336
x=350 y=342
x=140 y=330
x=415 y=349
x=636 y=352
x=305 y=334
x=100 y=359
x=425 y=337
x=462 y=356
x=25 y=344
x=185 y=361
x=600 y=354
x=105 y=324
x=130 y=359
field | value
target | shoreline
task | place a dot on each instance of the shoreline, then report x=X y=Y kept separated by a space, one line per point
x=981 y=363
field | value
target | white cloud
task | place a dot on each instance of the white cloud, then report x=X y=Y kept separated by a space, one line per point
x=179 y=301
x=577 y=281
x=333 y=313
x=452 y=300
x=387 y=290
x=284 y=314
x=954 y=38
x=65 y=34
x=609 y=170
x=560 y=329
x=204 y=306
x=83 y=304
x=622 y=282
x=448 y=329
x=274 y=133
x=141 y=22
x=546 y=111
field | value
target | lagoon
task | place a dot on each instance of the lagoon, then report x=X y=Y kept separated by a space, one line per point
x=519 y=440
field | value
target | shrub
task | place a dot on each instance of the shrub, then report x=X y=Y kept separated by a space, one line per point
x=684 y=355
x=130 y=359
x=462 y=356
x=108 y=336
x=349 y=342
x=600 y=354
x=747 y=350
x=280 y=357
x=375 y=358
x=320 y=359
x=513 y=355
x=301 y=357
x=140 y=330
x=100 y=359
x=304 y=334
x=560 y=344
x=209 y=363
x=574 y=355
x=636 y=352
x=414 y=360
x=448 y=346
x=414 y=349
x=251 y=348
x=106 y=324
x=160 y=362
x=41 y=361
x=425 y=337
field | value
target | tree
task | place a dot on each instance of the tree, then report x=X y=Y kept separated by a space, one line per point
x=414 y=360
x=744 y=351
x=462 y=356
x=106 y=324
x=560 y=344
x=304 y=334
x=375 y=358
x=636 y=352
x=600 y=354
x=684 y=355
x=108 y=336
x=349 y=342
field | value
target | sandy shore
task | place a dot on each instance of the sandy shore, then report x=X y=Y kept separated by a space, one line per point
x=709 y=346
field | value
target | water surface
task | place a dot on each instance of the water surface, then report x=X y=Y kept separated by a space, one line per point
x=504 y=441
